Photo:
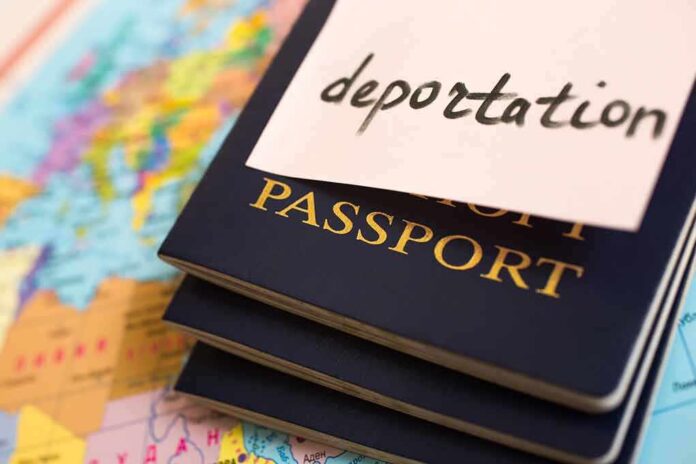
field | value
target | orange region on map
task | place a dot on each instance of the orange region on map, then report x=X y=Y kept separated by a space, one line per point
x=12 y=192
x=151 y=352
x=62 y=361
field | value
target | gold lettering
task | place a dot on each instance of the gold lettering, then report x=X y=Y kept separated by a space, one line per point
x=473 y=260
x=512 y=269
x=556 y=274
x=372 y=222
x=407 y=236
x=347 y=222
x=447 y=203
x=575 y=232
x=309 y=210
x=523 y=220
x=494 y=213
x=267 y=193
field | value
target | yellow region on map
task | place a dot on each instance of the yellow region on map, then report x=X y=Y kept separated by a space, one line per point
x=232 y=447
x=40 y=439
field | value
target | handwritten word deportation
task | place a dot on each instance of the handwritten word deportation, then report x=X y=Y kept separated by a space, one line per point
x=614 y=114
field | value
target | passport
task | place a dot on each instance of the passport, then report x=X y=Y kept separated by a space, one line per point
x=554 y=310
x=336 y=360
x=274 y=399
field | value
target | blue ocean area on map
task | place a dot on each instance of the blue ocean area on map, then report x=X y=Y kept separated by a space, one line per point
x=669 y=437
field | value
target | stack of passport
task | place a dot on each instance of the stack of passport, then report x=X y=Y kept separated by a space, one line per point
x=415 y=329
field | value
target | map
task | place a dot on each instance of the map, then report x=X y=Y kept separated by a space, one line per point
x=101 y=148
x=670 y=433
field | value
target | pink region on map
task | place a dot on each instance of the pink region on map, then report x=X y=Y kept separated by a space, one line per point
x=282 y=15
x=122 y=444
x=123 y=432
x=157 y=427
x=183 y=430
x=125 y=410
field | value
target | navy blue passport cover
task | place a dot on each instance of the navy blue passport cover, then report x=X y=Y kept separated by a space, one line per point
x=534 y=338
x=226 y=379
x=228 y=316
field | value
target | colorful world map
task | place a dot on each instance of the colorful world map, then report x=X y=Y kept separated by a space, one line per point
x=101 y=148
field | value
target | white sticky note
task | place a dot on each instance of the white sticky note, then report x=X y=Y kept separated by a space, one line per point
x=589 y=94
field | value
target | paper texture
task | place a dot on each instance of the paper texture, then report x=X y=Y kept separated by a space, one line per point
x=563 y=110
